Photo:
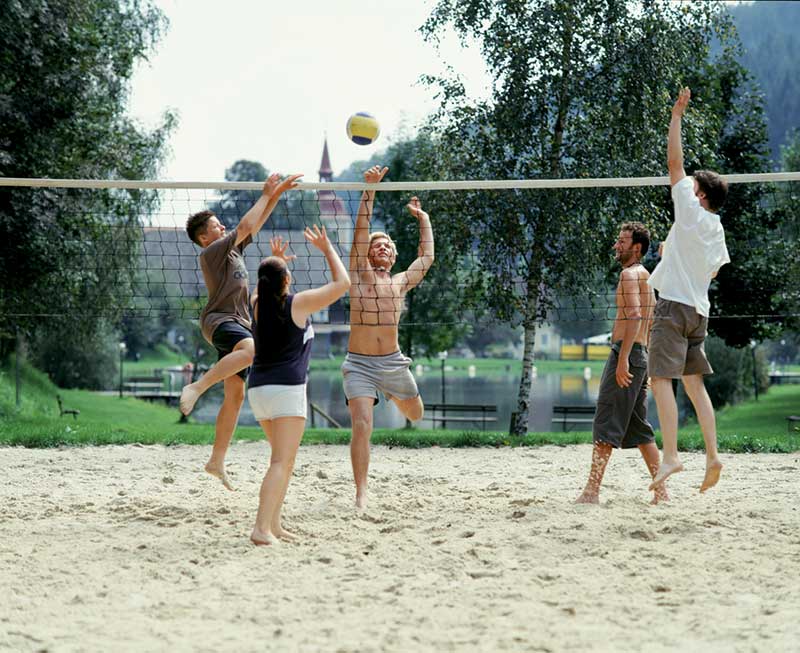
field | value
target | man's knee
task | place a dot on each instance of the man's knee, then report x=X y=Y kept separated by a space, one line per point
x=361 y=421
x=246 y=347
x=414 y=409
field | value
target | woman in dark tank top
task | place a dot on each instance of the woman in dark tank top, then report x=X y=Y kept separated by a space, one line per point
x=283 y=336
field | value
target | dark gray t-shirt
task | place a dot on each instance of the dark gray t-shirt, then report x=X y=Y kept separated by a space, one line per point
x=225 y=274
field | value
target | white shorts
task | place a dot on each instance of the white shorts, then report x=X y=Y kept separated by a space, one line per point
x=272 y=401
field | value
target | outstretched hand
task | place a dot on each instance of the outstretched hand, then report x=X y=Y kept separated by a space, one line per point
x=279 y=248
x=375 y=174
x=318 y=238
x=679 y=108
x=274 y=186
x=415 y=208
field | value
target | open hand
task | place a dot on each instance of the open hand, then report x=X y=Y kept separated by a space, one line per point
x=415 y=208
x=274 y=186
x=375 y=174
x=318 y=238
x=279 y=248
x=679 y=108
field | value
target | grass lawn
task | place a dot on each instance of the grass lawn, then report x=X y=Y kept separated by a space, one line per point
x=751 y=426
x=483 y=366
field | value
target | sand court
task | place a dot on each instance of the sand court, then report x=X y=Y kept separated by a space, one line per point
x=135 y=548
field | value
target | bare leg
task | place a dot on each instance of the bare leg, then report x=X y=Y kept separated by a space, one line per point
x=651 y=459
x=227 y=366
x=361 y=419
x=668 y=417
x=225 y=426
x=284 y=440
x=601 y=453
x=412 y=409
x=696 y=390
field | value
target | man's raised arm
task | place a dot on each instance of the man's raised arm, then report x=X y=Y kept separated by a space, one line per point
x=419 y=268
x=674 y=146
x=255 y=218
x=359 y=252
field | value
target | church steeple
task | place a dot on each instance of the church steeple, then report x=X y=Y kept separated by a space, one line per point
x=325 y=170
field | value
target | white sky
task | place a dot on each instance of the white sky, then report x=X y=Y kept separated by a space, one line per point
x=264 y=80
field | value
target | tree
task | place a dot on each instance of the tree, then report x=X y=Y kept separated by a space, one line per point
x=294 y=210
x=63 y=95
x=580 y=89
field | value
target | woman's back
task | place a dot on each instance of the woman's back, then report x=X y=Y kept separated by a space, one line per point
x=282 y=348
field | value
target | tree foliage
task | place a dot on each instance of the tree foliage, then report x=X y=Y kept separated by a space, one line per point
x=580 y=89
x=63 y=95
x=294 y=210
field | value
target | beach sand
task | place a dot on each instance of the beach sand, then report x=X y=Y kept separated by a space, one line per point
x=135 y=548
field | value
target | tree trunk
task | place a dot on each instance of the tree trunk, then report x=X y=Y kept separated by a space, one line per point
x=520 y=425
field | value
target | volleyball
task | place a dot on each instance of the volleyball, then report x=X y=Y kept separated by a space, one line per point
x=363 y=128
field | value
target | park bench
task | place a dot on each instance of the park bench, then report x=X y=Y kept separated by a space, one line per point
x=147 y=385
x=565 y=415
x=66 y=411
x=790 y=422
x=480 y=413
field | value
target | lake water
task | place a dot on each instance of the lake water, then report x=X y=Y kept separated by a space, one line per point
x=325 y=390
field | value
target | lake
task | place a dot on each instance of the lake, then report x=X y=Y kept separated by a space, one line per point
x=548 y=389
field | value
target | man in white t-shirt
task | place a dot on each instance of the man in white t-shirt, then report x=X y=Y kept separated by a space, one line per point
x=693 y=254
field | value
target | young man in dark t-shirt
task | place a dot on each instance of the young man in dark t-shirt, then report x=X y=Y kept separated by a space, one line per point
x=225 y=321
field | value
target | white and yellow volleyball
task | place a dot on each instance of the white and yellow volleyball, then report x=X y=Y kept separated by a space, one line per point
x=363 y=128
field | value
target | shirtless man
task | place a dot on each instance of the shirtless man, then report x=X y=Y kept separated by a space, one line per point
x=694 y=252
x=621 y=418
x=374 y=361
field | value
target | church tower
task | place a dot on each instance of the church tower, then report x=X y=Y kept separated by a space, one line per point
x=333 y=211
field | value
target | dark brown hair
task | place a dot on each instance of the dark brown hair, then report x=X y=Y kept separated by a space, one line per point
x=639 y=234
x=714 y=187
x=272 y=291
x=196 y=225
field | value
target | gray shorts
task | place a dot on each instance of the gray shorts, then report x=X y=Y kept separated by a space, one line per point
x=365 y=375
x=621 y=417
x=677 y=341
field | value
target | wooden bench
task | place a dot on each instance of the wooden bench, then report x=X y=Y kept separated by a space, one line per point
x=487 y=413
x=66 y=411
x=143 y=384
x=564 y=415
x=790 y=421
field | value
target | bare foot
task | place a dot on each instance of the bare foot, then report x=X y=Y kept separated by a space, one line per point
x=189 y=396
x=713 y=470
x=221 y=474
x=588 y=497
x=361 y=500
x=660 y=496
x=283 y=534
x=665 y=470
x=260 y=538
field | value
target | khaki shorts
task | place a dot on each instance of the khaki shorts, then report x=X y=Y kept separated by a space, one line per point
x=676 y=341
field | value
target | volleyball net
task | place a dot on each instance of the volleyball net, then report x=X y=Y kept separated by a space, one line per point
x=497 y=244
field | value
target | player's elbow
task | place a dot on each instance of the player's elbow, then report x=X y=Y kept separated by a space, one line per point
x=343 y=285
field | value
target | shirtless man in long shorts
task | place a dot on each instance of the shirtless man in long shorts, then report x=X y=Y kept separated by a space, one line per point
x=621 y=417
